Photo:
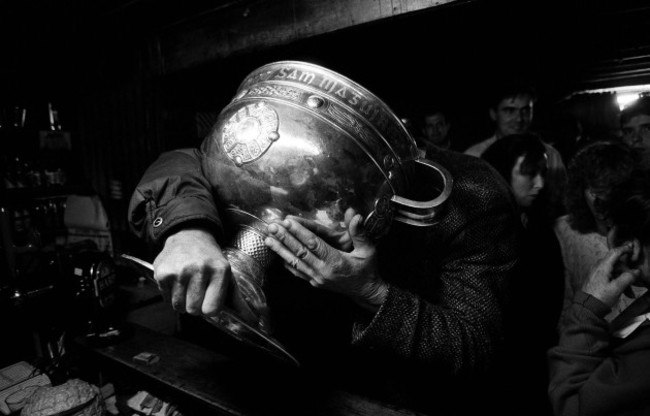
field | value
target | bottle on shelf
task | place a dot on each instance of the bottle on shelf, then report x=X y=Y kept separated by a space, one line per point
x=54 y=118
x=19 y=117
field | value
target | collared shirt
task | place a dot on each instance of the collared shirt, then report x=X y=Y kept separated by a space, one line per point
x=623 y=303
x=632 y=326
x=480 y=147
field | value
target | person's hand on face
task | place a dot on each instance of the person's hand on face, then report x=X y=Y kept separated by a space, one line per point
x=341 y=262
x=610 y=277
x=192 y=272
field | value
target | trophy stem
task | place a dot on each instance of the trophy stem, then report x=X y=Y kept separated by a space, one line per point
x=248 y=318
x=249 y=323
x=249 y=278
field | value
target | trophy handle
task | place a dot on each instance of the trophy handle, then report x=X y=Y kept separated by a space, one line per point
x=425 y=213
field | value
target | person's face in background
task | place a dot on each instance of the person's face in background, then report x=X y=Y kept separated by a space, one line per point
x=436 y=129
x=513 y=115
x=636 y=132
x=526 y=187
x=596 y=200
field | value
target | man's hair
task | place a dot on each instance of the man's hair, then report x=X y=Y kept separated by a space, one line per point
x=503 y=155
x=601 y=165
x=511 y=90
x=433 y=109
x=637 y=108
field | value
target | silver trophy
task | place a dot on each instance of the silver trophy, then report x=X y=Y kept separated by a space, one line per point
x=303 y=140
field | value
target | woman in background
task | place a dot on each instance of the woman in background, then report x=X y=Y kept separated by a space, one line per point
x=601 y=367
x=537 y=286
x=595 y=171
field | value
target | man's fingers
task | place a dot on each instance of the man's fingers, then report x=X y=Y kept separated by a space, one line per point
x=311 y=225
x=316 y=247
x=196 y=286
x=303 y=236
x=220 y=277
x=178 y=296
x=334 y=236
x=293 y=241
x=615 y=254
x=350 y=213
x=292 y=261
x=362 y=244
x=164 y=277
x=298 y=258
x=626 y=278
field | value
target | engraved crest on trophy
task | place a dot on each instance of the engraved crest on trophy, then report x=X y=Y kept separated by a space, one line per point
x=250 y=132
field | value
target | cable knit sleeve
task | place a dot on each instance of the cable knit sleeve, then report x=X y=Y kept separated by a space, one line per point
x=451 y=315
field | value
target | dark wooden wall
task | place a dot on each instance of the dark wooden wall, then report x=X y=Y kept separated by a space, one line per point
x=130 y=76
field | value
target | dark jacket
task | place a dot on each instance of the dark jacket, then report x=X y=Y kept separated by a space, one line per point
x=595 y=373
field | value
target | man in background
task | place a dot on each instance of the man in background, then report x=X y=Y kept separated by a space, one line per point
x=435 y=129
x=635 y=124
x=511 y=110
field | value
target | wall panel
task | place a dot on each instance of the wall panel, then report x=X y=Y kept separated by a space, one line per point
x=249 y=26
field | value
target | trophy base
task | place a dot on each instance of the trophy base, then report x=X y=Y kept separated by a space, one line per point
x=230 y=323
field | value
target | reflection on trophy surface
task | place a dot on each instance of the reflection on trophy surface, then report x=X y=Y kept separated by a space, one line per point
x=299 y=139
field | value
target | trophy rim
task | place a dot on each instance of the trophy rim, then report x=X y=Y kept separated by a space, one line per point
x=256 y=76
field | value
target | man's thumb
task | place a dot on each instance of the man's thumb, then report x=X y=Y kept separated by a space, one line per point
x=360 y=240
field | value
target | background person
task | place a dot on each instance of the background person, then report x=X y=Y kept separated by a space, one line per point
x=511 y=110
x=600 y=367
x=594 y=173
x=537 y=285
x=435 y=129
x=635 y=124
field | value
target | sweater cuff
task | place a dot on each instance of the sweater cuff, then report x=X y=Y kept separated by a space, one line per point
x=591 y=303
x=391 y=318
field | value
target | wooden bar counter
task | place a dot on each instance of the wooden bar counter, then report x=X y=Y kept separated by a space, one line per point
x=204 y=382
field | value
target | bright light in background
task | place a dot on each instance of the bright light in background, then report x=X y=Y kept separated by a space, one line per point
x=624 y=99
x=625 y=95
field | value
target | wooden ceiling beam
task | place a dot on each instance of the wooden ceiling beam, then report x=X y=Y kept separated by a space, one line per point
x=248 y=26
